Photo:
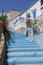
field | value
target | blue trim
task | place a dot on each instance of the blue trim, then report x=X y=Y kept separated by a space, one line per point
x=27 y=8
x=34 y=13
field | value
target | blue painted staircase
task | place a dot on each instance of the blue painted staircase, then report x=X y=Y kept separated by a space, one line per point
x=22 y=52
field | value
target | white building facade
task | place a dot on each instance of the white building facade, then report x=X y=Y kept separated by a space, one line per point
x=35 y=11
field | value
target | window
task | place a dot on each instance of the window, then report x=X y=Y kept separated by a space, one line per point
x=34 y=13
x=22 y=19
x=28 y=16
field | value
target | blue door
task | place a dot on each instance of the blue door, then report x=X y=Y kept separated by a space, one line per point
x=34 y=14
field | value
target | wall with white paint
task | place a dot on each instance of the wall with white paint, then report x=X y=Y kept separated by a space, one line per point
x=36 y=6
x=16 y=23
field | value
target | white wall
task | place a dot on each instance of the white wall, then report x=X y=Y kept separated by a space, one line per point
x=13 y=26
x=36 y=6
x=23 y=15
x=9 y=16
x=18 y=24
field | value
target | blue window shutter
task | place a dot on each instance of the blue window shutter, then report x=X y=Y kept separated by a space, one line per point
x=22 y=19
x=34 y=14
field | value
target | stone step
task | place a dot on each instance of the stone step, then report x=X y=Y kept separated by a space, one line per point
x=29 y=54
x=15 y=37
x=28 y=60
x=25 y=46
x=25 y=52
x=18 y=36
x=28 y=49
x=20 y=40
x=22 y=43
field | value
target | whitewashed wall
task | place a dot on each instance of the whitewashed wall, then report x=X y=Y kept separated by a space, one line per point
x=36 y=6
x=23 y=24
x=13 y=25
x=18 y=24
x=23 y=15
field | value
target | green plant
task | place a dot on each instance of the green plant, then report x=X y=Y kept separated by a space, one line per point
x=3 y=18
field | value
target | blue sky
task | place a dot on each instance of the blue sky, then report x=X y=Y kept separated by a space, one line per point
x=19 y=5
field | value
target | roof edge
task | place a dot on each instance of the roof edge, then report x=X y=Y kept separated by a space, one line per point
x=27 y=8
